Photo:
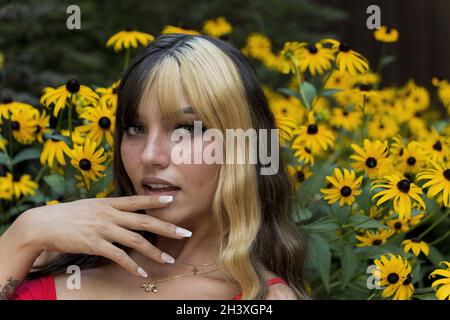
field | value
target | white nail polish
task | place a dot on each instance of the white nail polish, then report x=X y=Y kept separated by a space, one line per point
x=142 y=272
x=167 y=258
x=183 y=232
x=165 y=199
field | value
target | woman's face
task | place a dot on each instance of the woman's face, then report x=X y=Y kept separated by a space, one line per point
x=146 y=152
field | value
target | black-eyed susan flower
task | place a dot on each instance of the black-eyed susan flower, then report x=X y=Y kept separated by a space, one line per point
x=23 y=126
x=345 y=187
x=257 y=46
x=383 y=34
x=108 y=96
x=303 y=154
x=6 y=186
x=436 y=145
x=175 y=29
x=413 y=158
x=217 y=28
x=315 y=58
x=373 y=158
x=348 y=120
x=443 y=90
x=313 y=135
x=89 y=161
x=24 y=186
x=128 y=38
x=443 y=293
x=339 y=80
x=42 y=126
x=101 y=123
x=347 y=59
x=438 y=181
x=290 y=57
x=373 y=238
x=54 y=149
x=62 y=94
x=416 y=246
x=415 y=97
x=287 y=107
x=299 y=174
x=392 y=271
x=382 y=127
x=401 y=191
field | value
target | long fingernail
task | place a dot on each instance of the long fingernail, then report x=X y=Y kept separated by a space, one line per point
x=183 y=232
x=142 y=272
x=167 y=258
x=165 y=199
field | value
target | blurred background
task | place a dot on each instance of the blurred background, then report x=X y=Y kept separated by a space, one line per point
x=38 y=50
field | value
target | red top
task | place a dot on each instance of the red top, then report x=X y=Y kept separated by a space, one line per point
x=44 y=289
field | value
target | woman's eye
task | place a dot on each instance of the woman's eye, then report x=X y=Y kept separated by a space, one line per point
x=134 y=130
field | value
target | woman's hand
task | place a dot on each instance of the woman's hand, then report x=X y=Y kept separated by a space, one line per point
x=91 y=226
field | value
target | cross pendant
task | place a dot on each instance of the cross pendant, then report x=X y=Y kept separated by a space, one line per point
x=149 y=286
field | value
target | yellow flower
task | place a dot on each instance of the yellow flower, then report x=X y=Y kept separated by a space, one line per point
x=347 y=59
x=290 y=57
x=314 y=136
x=257 y=46
x=416 y=246
x=373 y=159
x=60 y=95
x=439 y=181
x=23 y=125
x=128 y=38
x=108 y=96
x=345 y=187
x=385 y=35
x=25 y=186
x=315 y=58
x=298 y=174
x=444 y=283
x=54 y=148
x=6 y=186
x=217 y=28
x=88 y=160
x=348 y=120
x=303 y=153
x=370 y=238
x=173 y=29
x=286 y=126
x=394 y=273
x=401 y=190
x=101 y=123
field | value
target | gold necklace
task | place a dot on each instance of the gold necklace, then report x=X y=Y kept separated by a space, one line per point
x=150 y=286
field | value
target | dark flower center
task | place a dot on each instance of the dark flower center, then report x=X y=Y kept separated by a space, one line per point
x=381 y=126
x=437 y=146
x=365 y=87
x=300 y=176
x=284 y=110
x=345 y=113
x=38 y=129
x=371 y=162
x=129 y=28
x=346 y=191
x=104 y=123
x=73 y=86
x=15 y=125
x=400 y=152
x=7 y=99
x=344 y=47
x=411 y=161
x=312 y=129
x=312 y=49
x=408 y=280
x=398 y=225
x=403 y=185
x=447 y=174
x=85 y=164
x=376 y=242
x=415 y=240
x=308 y=150
x=114 y=90
x=393 y=278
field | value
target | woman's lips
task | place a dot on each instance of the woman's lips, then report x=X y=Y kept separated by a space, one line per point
x=155 y=192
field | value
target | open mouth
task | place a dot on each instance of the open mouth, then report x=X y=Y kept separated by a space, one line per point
x=160 y=189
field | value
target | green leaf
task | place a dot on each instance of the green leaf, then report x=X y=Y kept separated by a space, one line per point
x=56 y=183
x=349 y=264
x=302 y=214
x=290 y=92
x=328 y=92
x=364 y=222
x=387 y=60
x=320 y=257
x=324 y=225
x=5 y=160
x=27 y=154
x=309 y=91
x=435 y=256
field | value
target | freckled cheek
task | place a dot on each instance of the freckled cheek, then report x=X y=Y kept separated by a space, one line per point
x=131 y=153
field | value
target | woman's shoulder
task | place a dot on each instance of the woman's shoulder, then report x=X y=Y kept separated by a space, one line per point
x=36 y=289
x=278 y=288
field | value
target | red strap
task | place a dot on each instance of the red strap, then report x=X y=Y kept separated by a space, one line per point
x=38 y=289
x=269 y=283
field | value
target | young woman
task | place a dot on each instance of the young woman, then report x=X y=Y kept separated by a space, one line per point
x=182 y=231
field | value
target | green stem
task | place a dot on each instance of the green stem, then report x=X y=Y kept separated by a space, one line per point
x=69 y=118
x=435 y=223
x=363 y=110
x=40 y=173
x=60 y=115
x=299 y=80
x=380 y=66
x=440 y=238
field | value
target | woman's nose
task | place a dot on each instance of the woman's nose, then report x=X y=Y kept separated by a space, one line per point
x=156 y=152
